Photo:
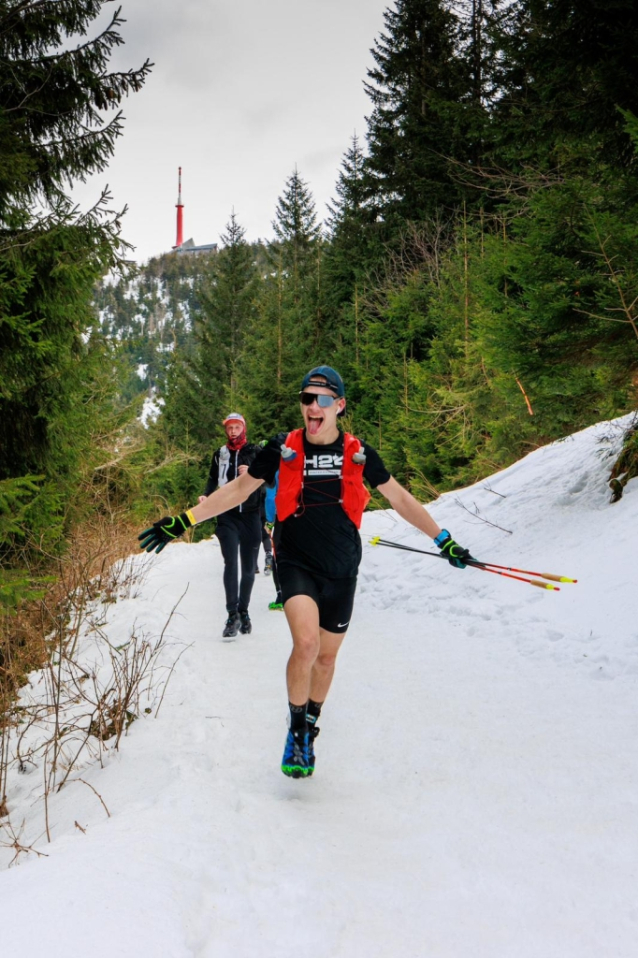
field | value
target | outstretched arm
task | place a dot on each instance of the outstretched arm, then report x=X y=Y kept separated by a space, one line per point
x=228 y=496
x=413 y=512
x=157 y=536
x=409 y=508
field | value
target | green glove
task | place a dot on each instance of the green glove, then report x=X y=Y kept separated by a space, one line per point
x=165 y=530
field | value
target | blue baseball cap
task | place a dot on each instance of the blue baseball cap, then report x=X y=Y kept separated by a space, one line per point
x=332 y=377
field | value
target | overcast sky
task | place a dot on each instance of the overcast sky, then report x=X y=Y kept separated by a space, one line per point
x=241 y=92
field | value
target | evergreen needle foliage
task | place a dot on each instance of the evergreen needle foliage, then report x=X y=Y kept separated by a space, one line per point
x=59 y=121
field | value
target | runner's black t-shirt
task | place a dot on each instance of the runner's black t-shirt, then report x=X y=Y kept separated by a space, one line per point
x=320 y=537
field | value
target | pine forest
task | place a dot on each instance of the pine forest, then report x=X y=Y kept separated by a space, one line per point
x=475 y=283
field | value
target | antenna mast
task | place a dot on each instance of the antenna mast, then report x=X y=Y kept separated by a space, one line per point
x=180 y=213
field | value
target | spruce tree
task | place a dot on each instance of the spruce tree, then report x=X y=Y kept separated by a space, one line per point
x=568 y=66
x=349 y=203
x=203 y=384
x=295 y=227
x=56 y=95
x=55 y=99
x=479 y=20
x=288 y=333
x=417 y=88
x=350 y=255
x=226 y=307
x=351 y=228
x=298 y=251
x=560 y=294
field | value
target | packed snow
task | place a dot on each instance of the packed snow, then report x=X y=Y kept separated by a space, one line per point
x=477 y=777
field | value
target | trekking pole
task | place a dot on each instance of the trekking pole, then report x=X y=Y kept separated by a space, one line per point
x=543 y=575
x=378 y=541
x=508 y=575
x=483 y=566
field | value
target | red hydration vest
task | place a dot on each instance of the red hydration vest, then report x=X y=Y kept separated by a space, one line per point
x=354 y=495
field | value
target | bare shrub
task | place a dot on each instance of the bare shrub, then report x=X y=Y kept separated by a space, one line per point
x=82 y=700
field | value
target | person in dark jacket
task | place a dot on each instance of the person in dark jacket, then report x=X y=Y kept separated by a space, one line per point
x=238 y=529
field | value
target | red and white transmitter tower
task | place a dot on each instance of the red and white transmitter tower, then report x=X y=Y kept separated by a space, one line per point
x=180 y=213
x=188 y=246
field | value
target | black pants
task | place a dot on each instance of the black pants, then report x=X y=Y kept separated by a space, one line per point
x=275 y=576
x=239 y=533
x=266 y=541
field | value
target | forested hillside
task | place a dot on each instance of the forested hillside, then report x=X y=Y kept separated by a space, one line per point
x=149 y=314
x=476 y=282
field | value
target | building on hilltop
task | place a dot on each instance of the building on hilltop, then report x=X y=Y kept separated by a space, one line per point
x=188 y=246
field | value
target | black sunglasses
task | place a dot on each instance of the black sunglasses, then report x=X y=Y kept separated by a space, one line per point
x=324 y=401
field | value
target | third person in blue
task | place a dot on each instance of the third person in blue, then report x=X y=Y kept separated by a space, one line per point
x=320 y=500
x=270 y=508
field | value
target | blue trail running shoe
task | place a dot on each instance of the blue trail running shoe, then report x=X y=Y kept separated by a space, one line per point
x=295 y=760
x=313 y=731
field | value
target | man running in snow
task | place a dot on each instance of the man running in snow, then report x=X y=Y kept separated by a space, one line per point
x=320 y=500
x=238 y=529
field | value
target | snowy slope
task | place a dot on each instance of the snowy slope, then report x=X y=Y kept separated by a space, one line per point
x=476 y=785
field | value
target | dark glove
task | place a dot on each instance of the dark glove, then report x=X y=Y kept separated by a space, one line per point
x=164 y=531
x=455 y=554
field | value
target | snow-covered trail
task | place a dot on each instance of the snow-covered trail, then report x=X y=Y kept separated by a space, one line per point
x=477 y=776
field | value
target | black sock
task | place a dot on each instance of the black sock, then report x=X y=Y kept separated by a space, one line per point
x=313 y=711
x=298 y=721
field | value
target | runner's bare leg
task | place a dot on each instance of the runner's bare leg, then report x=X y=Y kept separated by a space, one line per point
x=314 y=650
x=324 y=667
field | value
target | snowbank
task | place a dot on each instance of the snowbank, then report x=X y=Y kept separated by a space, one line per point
x=476 y=783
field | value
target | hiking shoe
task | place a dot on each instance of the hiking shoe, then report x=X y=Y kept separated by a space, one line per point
x=313 y=731
x=268 y=564
x=232 y=625
x=276 y=606
x=246 y=625
x=295 y=760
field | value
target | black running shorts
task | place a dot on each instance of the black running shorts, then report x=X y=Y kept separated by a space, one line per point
x=334 y=597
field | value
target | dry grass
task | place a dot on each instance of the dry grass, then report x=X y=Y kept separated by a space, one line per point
x=85 y=571
x=43 y=635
